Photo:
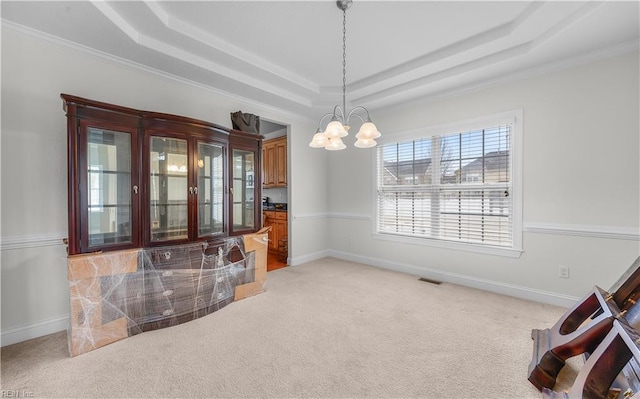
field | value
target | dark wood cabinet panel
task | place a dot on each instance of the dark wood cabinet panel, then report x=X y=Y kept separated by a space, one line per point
x=278 y=222
x=142 y=179
x=269 y=152
x=281 y=162
x=275 y=162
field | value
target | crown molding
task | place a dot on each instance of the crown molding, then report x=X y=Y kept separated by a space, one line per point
x=567 y=63
x=14 y=27
x=181 y=27
x=193 y=59
x=454 y=49
x=282 y=92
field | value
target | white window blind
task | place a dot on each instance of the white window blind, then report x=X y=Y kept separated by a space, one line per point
x=453 y=187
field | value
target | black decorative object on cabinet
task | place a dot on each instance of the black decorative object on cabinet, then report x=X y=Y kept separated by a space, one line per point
x=245 y=122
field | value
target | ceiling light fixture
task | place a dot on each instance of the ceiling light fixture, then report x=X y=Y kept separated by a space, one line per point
x=338 y=127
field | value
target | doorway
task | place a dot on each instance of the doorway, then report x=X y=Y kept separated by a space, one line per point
x=275 y=191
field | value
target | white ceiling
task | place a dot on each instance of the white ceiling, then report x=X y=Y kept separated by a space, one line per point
x=288 y=54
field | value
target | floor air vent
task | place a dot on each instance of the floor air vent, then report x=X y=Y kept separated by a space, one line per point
x=426 y=280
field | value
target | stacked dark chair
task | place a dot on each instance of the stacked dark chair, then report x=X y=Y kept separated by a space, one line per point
x=603 y=327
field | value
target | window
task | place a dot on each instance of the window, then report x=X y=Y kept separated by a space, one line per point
x=454 y=186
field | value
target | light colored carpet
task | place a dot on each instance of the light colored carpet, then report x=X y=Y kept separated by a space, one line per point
x=329 y=328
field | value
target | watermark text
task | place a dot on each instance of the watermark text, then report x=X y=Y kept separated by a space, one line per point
x=16 y=393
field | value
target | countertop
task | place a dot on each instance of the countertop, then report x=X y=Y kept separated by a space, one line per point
x=275 y=207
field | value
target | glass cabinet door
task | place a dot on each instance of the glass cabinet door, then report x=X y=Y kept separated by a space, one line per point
x=210 y=177
x=109 y=188
x=168 y=189
x=243 y=193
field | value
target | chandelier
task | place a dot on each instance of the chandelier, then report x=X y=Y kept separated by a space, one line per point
x=338 y=127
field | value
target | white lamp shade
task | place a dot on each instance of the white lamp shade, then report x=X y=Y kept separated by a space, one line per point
x=335 y=144
x=365 y=143
x=319 y=141
x=368 y=131
x=335 y=130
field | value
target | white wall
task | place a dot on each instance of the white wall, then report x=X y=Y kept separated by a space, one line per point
x=589 y=113
x=581 y=173
x=34 y=161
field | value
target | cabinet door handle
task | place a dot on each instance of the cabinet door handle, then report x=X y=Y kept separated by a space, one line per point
x=190 y=190
x=135 y=189
x=195 y=190
x=231 y=190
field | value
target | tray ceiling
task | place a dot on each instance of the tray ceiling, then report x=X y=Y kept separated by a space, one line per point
x=288 y=55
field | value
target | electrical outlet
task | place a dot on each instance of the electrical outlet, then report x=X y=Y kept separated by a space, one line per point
x=563 y=271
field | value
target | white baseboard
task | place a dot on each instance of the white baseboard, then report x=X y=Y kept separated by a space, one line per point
x=308 y=258
x=60 y=323
x=39 y=329
x=530 y=294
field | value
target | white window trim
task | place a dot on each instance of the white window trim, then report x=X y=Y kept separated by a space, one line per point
x=516 y=119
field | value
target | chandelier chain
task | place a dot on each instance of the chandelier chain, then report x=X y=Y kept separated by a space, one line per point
x=344 y=60
x=331 y=137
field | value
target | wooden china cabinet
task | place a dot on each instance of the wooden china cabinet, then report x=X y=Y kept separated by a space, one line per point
x=143 y=179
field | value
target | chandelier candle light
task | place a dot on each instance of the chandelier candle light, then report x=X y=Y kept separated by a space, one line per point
x=338 y=127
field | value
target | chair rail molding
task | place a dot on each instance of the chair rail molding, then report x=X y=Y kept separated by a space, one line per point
x=332 y=215
x=32 y=240
x=593 y=231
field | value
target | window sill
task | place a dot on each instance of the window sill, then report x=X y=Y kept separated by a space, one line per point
x=487 y=250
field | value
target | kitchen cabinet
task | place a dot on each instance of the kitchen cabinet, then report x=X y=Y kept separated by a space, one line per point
x=275 y=162
x=278 y=222
x=268 y=166
x=139 y=179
